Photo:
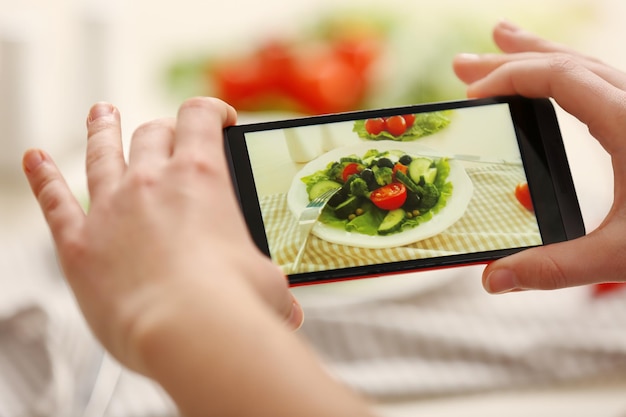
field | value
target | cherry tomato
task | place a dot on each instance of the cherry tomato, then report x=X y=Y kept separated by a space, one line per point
x=375 y=126
x=607 y=287
x=350 y=169
x=396 y=125
x=409 y=119
x=523 y=196
x=389 y=197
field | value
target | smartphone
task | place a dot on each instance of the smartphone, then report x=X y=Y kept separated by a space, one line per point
x=417 y=187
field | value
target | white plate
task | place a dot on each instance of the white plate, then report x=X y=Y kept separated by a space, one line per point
x=463 y=189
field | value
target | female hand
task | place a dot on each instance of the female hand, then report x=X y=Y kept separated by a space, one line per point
x=596 y=94
x=163 y=231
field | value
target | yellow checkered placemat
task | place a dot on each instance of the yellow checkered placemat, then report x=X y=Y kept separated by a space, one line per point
x=493 y=220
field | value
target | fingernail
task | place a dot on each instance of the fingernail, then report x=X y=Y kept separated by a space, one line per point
x=507 y=25
x=32 y=159
x=100 y=110
x=501 y=281
x=296 y=318
x=468 y=57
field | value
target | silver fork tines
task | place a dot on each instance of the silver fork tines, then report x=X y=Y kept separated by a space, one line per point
x=307 y=220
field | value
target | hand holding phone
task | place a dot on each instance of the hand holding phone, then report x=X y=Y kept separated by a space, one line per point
x=593 y=92
x=419 y=187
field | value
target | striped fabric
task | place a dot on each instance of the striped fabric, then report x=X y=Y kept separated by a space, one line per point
x=414 y=341
x=50 y=364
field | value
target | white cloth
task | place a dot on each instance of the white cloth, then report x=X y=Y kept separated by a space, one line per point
x=50 y=364
x=413 y=341
x=456 y=338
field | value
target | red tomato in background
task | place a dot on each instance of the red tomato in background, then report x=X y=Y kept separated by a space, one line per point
x=409 y=119
x=350 y=169
x=360 y=51
x=375 y=126
x=314 y=75
x=239 y=82
x=396 y=125
x=276 y=62
x=323 y=83
x=244 y=81
x=522 y=193
x=389 y=197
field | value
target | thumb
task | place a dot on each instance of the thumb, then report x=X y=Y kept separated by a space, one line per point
x=296 y=315
x=272 y=286
x=597 y=257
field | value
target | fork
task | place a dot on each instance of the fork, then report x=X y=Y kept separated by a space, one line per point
x=307 y=220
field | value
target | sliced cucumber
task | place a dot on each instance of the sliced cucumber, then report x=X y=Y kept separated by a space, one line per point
x=345 y=209
x=392 y=221
x=419 y=168
x=408 y=182
x=430 y=175
x=321 y=187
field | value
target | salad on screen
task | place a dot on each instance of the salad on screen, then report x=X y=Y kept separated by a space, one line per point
x=381 y=192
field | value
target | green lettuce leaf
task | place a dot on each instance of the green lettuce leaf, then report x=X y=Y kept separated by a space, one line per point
x=368 y=222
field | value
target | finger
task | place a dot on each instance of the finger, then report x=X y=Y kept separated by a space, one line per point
x=471 y=67
x=200 y=124
x=273 y=287
x=60 y=208
x=576 y=89
x=513 y=39
x=516 y=41
x=152 y=143
x=105 y=156
x=519 y=44
x=597 y=257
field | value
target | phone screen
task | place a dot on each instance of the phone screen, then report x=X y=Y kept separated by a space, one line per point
x=415 y=189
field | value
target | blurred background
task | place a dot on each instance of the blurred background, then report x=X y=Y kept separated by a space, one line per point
x=273 y=59
x=311 y=56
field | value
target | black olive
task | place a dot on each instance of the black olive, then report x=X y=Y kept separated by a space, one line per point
x=368 y=175
x=405 y=159
x=338 y=198
x=384 y=162
x=370 y=179
x=412 y=201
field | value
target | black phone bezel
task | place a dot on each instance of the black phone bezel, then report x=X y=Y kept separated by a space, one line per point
x=543 y=155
